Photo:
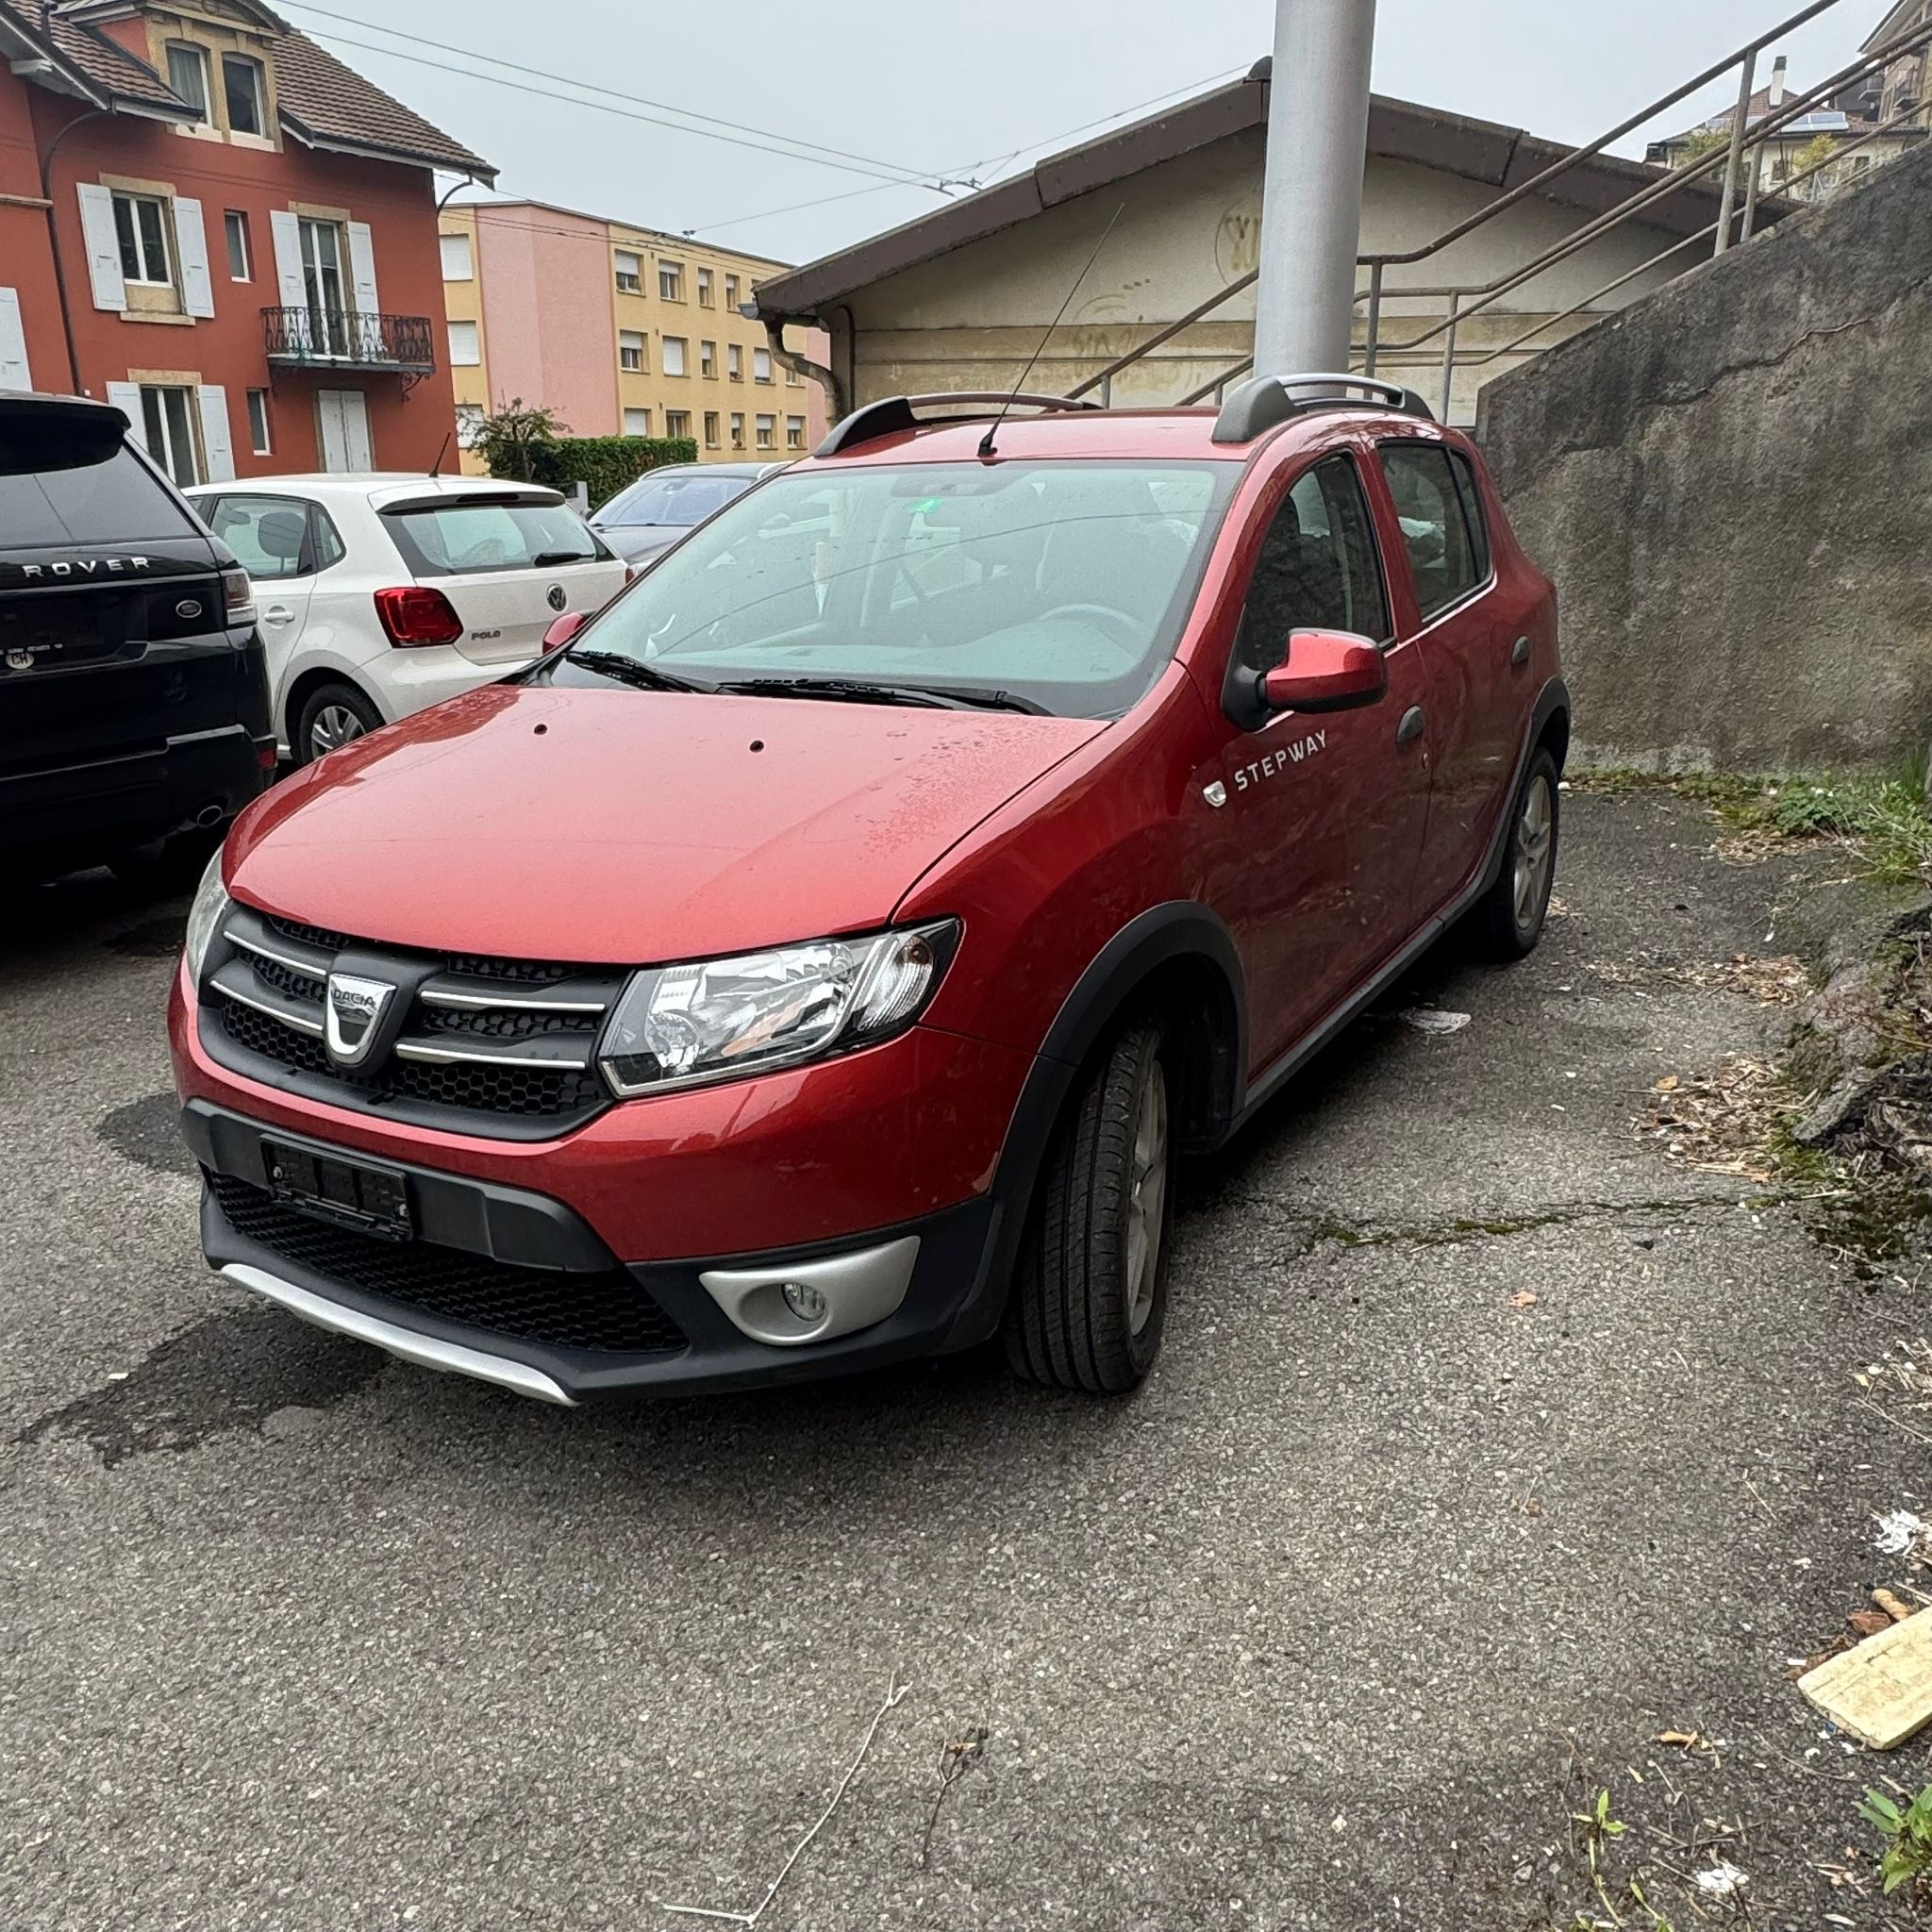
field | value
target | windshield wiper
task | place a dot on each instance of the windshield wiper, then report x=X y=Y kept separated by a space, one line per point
x=549 y=559
x=856 y=691
x=623 y=670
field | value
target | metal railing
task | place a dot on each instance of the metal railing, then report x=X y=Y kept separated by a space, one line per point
x=349 y=339
x=1736 y=215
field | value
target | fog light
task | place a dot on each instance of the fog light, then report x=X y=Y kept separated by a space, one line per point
x=804 y=1302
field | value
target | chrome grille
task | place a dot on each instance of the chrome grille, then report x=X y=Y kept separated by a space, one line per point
x=486 y=1045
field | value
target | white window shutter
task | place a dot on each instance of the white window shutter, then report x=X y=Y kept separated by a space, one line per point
x=362 y=267
x=13 y=370
x=215 y=441
x=126 y=396
x=287 y=231
x=103 y=247
x=190 y=243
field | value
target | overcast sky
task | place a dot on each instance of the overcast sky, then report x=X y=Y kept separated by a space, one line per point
x=972 y=90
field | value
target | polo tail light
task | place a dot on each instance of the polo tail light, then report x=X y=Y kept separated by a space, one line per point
x=416 y=614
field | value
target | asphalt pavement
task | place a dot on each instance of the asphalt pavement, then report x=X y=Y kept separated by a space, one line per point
x=1384 y=1572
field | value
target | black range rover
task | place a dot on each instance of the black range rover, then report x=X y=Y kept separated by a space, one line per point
x=133 y=693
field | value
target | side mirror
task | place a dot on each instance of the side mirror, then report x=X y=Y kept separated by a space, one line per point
x=564 y=628
x=1326 y=671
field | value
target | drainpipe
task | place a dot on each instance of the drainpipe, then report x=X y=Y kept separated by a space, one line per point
x=795 y=361
x=53 y=240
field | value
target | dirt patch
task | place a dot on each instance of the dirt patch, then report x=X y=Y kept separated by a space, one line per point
x=1725 y=1122
x=1778 y=982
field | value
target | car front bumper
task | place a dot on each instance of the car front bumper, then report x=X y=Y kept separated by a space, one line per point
x=651 y=1248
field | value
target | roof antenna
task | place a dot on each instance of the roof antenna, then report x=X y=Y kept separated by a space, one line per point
x=986 y=441
x=436 y=468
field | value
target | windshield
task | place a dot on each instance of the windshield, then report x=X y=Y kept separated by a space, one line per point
x=679 y=501
x=1063 y=583
x=458 y=538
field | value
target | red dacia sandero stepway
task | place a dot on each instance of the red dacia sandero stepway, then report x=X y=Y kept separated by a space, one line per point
x=820 y=957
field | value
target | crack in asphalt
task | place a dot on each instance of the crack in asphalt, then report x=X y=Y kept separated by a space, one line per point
x=1348 y=1233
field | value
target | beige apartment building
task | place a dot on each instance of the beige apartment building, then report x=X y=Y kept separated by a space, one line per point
x=621 y=331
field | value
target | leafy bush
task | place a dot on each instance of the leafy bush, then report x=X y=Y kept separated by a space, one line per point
x=512 y=442
x=606 y=464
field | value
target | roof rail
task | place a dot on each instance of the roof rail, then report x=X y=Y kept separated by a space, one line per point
x=1264 y=401
x=892 y=414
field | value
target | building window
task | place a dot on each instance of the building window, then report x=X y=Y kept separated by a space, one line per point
x=141 y=226
x=469 y=422
x=630 y=351
x=710 y=429
x=676 y=421
x=241 y=255
x=637 y=421
x=671 y=281
x=761 y=365
x=673 y=356
x=630 y=272
x=708 y=358
x=459 y=258
x=734 y=361
x=187 y=76
x=704 y=287
x=767 y=431
x=465 y=348
x=324 y=252
x=246 y=94
x=731 y=293
x=794 y=432
x=792 y=378
x=737 y=430
x=259 y=440
x=168 y=415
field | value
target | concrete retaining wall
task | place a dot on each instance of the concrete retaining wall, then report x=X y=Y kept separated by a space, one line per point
x=1731 y=483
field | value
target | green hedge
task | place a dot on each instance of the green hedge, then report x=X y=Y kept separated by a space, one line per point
x=606 y=464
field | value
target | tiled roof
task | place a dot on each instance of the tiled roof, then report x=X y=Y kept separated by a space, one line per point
x=330 y=103
x=322 y=101
x=102 y=64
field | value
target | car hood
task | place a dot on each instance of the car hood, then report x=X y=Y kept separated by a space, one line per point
x=639 y=543
x=621 y=825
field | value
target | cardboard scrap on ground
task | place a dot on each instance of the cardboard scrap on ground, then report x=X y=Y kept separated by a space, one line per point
x=1880 y=1690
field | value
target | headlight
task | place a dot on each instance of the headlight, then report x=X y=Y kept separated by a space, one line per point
x=728 y=1019
x=205 y=916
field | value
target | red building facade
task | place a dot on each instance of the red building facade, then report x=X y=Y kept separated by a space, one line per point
x=211 y=222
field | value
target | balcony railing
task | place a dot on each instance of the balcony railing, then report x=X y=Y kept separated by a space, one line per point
x=349 y=339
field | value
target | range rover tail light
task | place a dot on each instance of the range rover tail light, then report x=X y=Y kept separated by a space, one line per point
x=415 y=614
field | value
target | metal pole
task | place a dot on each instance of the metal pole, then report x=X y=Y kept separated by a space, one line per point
x=1757 y=165
x=1728 y=204
x=1449 y=355
x=1375 y=317
x=1312 y=198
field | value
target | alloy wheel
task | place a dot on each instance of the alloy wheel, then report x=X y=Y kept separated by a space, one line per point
x=335 y=726
x=1536 y=846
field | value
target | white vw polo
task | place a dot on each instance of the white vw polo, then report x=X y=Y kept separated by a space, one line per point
x=380 y=594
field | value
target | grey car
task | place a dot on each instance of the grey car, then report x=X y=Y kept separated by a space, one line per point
x=644 y=521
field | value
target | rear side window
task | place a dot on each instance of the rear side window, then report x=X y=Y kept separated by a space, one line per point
x=1442 y=520
x=75 y=481
x=1317 y=569
x=460 y=539
x=269 y=535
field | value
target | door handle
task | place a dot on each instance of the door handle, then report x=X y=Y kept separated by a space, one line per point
x=278 y=613
x=1518 y=654
x=1413 y=721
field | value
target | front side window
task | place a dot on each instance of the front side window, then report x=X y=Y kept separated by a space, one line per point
x=671 y=281
x=240 y=254
x=269 y=535
x=459 y=539
x=1442 y=522
x=187 y=76
x=168 y=417
x=1065 y=584
x=246 y=94
x=141 y=227
x=1317 y=569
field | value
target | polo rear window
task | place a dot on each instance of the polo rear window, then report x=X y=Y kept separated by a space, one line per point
x=458 y=538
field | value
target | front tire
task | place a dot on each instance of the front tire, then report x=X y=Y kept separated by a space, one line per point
x=1090 y=1291
x=332 y=715
x=1508 y=918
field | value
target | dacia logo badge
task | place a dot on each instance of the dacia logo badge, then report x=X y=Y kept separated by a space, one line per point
x=350 y=1017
